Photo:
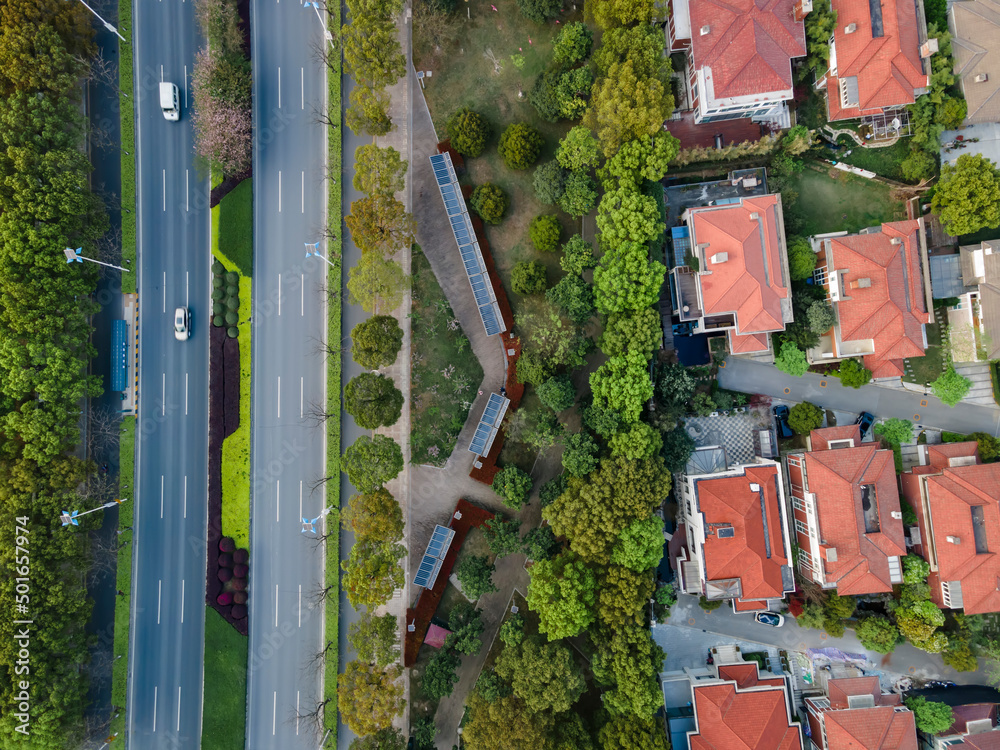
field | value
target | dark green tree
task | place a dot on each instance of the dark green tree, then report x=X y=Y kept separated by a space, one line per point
x=490 y=202
x=376 y=342
x=520 y=144
x=373 y=400
x=475 y=573
x=513 y=485
x=469 y=132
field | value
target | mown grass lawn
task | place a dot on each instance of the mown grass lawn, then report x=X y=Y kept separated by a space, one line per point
x=884 y=161
x=926 y=369
x=224 y=721
x=236 y=227
x=831 y=201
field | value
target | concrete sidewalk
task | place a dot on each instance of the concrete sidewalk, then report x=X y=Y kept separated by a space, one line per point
x=827 y=392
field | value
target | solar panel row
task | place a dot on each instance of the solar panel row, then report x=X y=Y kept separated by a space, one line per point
x=489 y=424
x=433 y=559
x=465 y=236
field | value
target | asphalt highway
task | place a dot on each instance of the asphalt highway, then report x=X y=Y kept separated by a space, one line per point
x=288 y=446
x=164 y=707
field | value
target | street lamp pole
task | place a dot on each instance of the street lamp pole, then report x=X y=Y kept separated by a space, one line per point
x=74 y=256
x=107 y=25
x=70 y=517
x=326 y=30
x=315 y=251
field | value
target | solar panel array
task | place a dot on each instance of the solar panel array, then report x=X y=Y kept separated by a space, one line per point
x=489 y=425
x=437 y=550
x=465 y=236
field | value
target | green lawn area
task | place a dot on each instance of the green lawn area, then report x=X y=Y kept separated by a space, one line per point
x=224 y=723
x=924 y=370
x=123 y=581
x=446 y=373
x=236 y=227
x=832 y=201
x=127 y=119
x=882 y=161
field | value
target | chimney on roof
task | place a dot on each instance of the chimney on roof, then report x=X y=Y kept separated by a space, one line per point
x=802 y=9
x=705 y=29
x=850 y=28
x=719 y=258
x=954 y=539
x=754 y=487
x=982 y=78
x=898 y=515
x=831 y=554
x=896 y=241
x=928 y=48
x=864 y=283
x=754 y=216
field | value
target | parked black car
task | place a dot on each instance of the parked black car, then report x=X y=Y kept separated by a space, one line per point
x=781 y=421
x=865 y=421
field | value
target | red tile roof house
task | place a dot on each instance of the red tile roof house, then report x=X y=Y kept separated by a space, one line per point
x=845 y=509
x=737 y=546
x=742 y=710
x=878 y=57
x=739 y=55
x=856 y=715
x=975 y=728
x=958 y=522
x=878 y=282
x=741 y=285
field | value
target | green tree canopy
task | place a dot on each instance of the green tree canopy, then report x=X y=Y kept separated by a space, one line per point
x=374 y=517
x=821 y=317
x=579 y=150
x=475 y=573
x=469 y=132
x=612 y=13
x=372 y=573
x=375 y=638
x=578 y=255
x=626 y=106
x=895 y=431
x=557 y=393
x=877 y=634
x=640 y=544
x=563 y=592
x=544 y=675
x=580 y=195
x=520 y=144
x=931 y=717
x=967 y=196
x=638 y=442
x=572 y=44
x=915 y=569
x=373 y=461
x=622 y=383
x=627 y=216
x=380 y=224
x=627 y=280
x=580 y=454
x=951 y=387
x=628 y=659
x=644 y=159
x=528 y=277
x=801 y=258
x=805 y=417
x=513 y=485
x=378 y=171
x=573 y=296
x=791 y=359
x=678 y=446
x=629 y=732
x=545 y=231
x=376 y=342
x=441 y=673
x=369 y=697
x=853 y=374
x=550 y=182
x=503 y=535
x=623 y=594
x=383 y=739
x=638 y=330
x=489 y=201
x=376 y=283
x=373 y=400
x=540 y=543
x=466 y=625
x=506 y=723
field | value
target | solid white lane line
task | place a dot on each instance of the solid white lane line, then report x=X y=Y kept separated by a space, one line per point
x=161 y=496
x=302 y=391
x=274 y=718
x=279 y=87
x=159 y=594
x=279 y=191
x=154 y=707
x=182 y=615
x=302 y=288
x=277 y=500
x=279 y=397
x=163 y=409
x=161 y=74
x=185 y=394
x=303 y=192
x=302 y=78
x=185 y=85
x=187 y=289
x=279 y=294
x=185 y=496
x=187 y=186
x=275 y=605
x=178 y=708
x=300 y=605
x=300 y=498
x=164 y=291
x=164 y=190
x=296 y=712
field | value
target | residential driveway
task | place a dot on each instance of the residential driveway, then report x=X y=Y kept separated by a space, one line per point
x=988 y=145
x=981 y=391
x=753 y=377
x=905 y=660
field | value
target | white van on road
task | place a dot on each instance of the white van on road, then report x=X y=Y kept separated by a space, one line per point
x=170 y=101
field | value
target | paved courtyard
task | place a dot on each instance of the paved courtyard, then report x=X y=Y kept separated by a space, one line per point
x=733 y=432
x=988 y=145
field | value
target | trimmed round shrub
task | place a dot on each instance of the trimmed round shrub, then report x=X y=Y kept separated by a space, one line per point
x=218 y=308
x=520 y=145
x=545 y=232
x=217 y=267
x=240 y=597
x=232 y=291
x=233 y=303
x=550 y=182
x=239 y=611
x=216 y=282
x=224 y=598
x=232 y=318
x=225 y=560
x=240 y=571
x=241 y=557
x=490 y=202
x=218 y=295
x=528 y=277
x=225 y=574
x=218 y=321
x=226 y=544
x=238 y=584
x=233 y=333
x=469 y=131
x=232 y=277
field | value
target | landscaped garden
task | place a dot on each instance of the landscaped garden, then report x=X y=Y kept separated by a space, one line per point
x=884 y=160
x=832 y=201
x=445 y=372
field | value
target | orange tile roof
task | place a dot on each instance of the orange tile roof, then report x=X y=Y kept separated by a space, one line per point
x=967 y=712
x=819 y=440
x=751 y=342
x=939 y=455
x=838 y=691
x=879 y=728
x=744 y=556
x=743 y=714
x=749 y=606
x=987 y=741
x=751 y=282
x=892 y=309
x=836 y=477
x=888 y=68
x=951 y=496
x=749 y=46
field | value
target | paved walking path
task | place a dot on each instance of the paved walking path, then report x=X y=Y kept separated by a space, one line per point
x=752 y=377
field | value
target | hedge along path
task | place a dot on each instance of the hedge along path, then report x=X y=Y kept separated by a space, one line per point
x=126 y=114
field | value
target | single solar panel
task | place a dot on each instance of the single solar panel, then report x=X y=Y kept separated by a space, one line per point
x=433 y=559
x=489 y=424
